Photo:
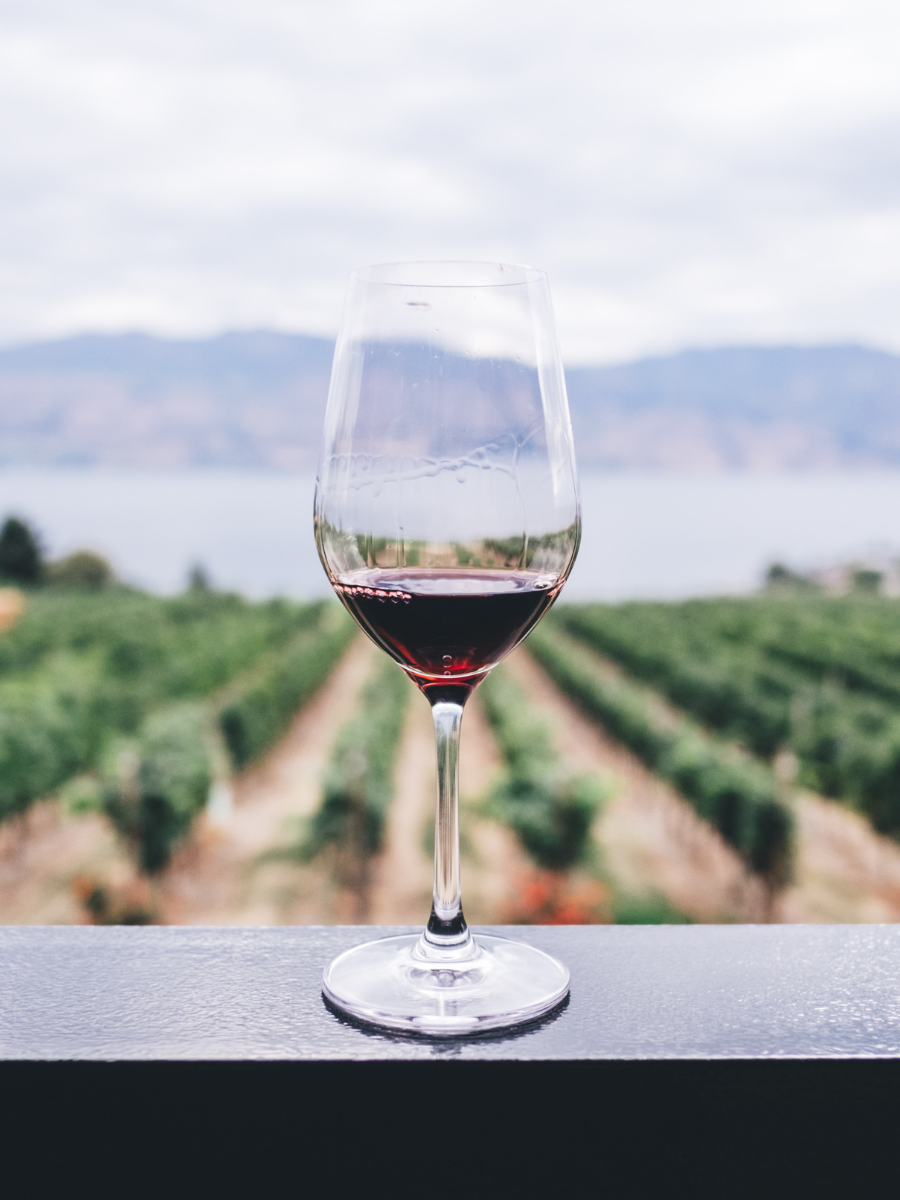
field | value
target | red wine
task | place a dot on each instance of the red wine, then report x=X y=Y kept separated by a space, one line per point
x=446 y=627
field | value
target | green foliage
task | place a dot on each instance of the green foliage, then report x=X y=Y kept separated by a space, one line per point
x=853 y=640
x=726 y=685
x=182 y=646
x=780 y=578
x=198 y=579
x=80 y=669
x=81 y=794
x=867 y=580
x=358 y=783
x=260 y=705
x=114 y=697
x=157 y=783
x=51 y=726
x=734 y=793
x=647 y=910
x=20 y=553
x=550 y=809
x=83 y=569
x=816 y=674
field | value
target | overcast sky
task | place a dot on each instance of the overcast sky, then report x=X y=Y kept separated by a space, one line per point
x=690 y=172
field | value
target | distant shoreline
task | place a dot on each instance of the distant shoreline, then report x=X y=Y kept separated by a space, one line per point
x=647 y=534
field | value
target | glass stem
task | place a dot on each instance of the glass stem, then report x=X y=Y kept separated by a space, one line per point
x=447 y=925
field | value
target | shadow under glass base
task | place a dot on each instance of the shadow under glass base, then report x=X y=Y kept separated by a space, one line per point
x=403 y=983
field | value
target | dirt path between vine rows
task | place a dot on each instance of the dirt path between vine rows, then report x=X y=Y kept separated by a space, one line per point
x=229 y=875
x=49 y=859
x=653 y=842
x=494 y=866
x=401 y=874
x=43 y=851
x=229 y=872
x=844 y=871
x=491 y=859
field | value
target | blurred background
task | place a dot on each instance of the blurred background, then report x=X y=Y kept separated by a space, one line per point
x=707 y=727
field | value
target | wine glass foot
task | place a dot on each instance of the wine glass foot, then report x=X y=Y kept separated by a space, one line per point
x=403 y=983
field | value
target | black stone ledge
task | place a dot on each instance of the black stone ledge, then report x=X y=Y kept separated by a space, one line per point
x=729 y=1060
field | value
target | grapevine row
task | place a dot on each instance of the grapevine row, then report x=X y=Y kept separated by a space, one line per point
x=59 y=711
x=358 y=784
x=152 y=786
x=549 y=808
x=846 y=742
x=734 y=793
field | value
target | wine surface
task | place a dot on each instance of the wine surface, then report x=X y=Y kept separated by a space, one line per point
x=446 y=627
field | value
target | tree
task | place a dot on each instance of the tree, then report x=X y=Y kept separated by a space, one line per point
x=198 y=579
x=779 y=577
x=83 y=569
x=864 y=579
x=20 y=552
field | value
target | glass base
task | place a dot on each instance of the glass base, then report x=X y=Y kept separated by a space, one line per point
x=409 y=984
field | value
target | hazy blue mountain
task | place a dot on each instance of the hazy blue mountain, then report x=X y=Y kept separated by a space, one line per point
x=240 y=399
x=257 y=400
x=230 y=360
x=744 y=406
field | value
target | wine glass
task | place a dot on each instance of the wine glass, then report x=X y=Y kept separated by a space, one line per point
x=447 y=520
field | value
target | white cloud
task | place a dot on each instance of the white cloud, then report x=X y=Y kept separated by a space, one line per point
x=689 y=172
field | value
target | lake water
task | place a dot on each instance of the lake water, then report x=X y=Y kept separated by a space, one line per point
x=645 y=534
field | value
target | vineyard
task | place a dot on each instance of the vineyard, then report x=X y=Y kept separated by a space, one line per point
x=206 y=759
x=807 y=683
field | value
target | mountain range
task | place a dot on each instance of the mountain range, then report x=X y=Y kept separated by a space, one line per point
x=256 y=400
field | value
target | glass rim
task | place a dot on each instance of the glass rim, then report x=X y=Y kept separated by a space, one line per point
x=448 y=273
